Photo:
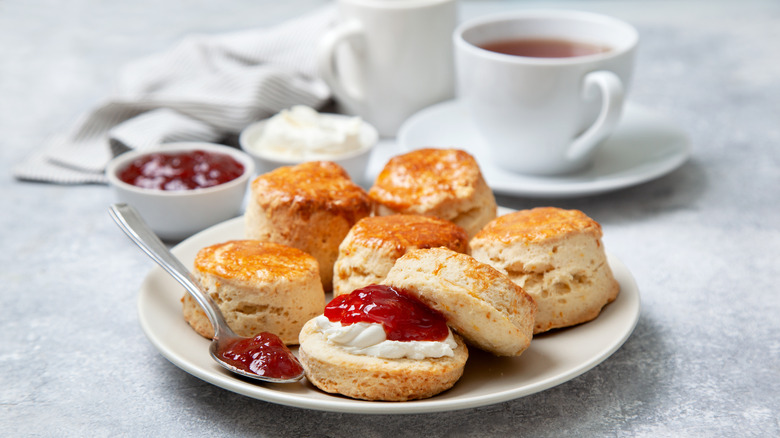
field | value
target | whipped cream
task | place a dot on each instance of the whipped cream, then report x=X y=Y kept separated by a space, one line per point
x=303 y=133
x=369 y=340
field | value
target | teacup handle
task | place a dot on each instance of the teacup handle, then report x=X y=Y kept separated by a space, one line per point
x=326 y=57
x=611 y=89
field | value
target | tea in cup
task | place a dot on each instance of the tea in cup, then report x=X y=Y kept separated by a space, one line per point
x=544 y=87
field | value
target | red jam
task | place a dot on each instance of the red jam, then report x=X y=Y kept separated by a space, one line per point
x=264 y=355
x=181 y=171
x=403 y=316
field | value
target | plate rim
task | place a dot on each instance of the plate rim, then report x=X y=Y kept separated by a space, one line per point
x=552 y=187
x=218 y=377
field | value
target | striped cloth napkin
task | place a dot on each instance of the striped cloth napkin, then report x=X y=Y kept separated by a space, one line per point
x=203 y=89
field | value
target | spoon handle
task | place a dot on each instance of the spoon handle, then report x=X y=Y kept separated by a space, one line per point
x=139 y=232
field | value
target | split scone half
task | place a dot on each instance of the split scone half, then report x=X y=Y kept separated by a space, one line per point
x=336 y=370
x=480 y=303
x=557 y=256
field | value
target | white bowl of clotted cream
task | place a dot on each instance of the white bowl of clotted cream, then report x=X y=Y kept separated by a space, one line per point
x=302 y=134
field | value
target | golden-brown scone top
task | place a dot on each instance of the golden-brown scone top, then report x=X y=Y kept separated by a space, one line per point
x=374 y=244
x=403 y=232
x=309 y=187
x=539 y=224
x=251 y=260
x=445 y=183
x=425 y=177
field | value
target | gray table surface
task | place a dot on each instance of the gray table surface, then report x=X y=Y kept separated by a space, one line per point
x=703 y=243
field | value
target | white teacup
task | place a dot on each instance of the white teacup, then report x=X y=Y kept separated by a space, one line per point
x=544 y=115
x=387 y=59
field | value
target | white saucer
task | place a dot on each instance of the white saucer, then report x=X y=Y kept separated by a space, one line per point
x=645 y=146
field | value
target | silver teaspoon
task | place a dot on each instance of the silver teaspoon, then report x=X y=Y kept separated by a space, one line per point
x=250 y=357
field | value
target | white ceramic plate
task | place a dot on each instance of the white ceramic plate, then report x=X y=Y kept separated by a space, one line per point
x=645 y=146
x=552 y=359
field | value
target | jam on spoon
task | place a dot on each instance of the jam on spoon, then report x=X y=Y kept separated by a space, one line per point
x=280 y=369
x=265 y=354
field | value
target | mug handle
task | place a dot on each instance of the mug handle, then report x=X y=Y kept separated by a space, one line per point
x=326 y=60
x=611 y=89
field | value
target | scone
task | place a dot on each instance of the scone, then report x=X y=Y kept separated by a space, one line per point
x=445 y=183
x=258 y=286
x=381 y=343
x=374 y=244
x=480 y=303
x=557 y=256
x=336 y=371
x=310 y=206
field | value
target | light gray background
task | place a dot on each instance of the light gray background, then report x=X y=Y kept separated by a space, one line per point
x=702 y=242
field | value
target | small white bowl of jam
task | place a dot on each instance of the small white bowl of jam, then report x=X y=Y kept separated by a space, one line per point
x=182 y=188
x=301 y=134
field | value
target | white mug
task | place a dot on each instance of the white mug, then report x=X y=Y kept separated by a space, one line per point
x=387 y=59
x=544 y=115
